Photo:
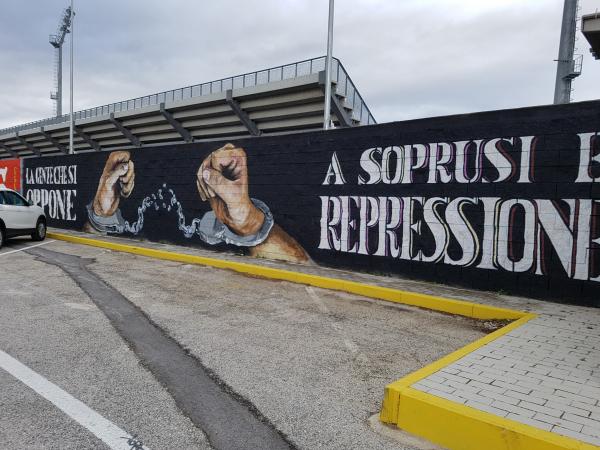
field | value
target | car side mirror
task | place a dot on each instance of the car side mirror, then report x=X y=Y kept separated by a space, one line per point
x=30 y=203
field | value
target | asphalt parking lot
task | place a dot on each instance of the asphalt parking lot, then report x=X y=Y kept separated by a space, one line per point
x=185 y=356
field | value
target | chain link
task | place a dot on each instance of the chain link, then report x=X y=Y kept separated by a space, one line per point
x=159 y=200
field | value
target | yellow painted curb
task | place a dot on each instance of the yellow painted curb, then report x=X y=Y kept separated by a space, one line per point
x=393 y=391
x=457 y=426
x=435 y=303
x=439 y=420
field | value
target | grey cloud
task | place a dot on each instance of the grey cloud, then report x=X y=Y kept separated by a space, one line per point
x=409 y=59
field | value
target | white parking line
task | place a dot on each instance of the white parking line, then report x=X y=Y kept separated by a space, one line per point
x=25 y=248
x=108 y=432
x=348 y=342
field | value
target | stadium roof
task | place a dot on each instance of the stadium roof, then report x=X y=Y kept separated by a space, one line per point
x=276 y=100
x=590 y=27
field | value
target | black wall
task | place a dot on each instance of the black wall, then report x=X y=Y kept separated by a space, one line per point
x=288 y=174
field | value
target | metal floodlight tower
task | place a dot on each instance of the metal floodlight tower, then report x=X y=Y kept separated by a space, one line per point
x=57 y=40
x=568 y=67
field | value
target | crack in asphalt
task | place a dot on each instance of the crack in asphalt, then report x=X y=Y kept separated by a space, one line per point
x=229 y=420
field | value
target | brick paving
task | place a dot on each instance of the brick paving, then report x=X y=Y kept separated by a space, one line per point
x=545 y=373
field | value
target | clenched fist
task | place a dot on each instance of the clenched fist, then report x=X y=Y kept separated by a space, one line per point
x=222 y=179
x=117 y=181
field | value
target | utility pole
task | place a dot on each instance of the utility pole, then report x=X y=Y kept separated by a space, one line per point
x=327 y=115
x=71 y=83
x=567 y=68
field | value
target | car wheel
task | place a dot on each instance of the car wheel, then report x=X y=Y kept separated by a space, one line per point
x=1 y=237
x=40 y=231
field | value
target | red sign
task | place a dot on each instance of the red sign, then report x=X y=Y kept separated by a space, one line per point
x=10 y=173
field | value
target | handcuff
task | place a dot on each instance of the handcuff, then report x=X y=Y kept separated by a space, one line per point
x=106 y=224
x=210 y=229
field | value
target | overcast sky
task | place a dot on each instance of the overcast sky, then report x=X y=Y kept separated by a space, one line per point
x=409 y=58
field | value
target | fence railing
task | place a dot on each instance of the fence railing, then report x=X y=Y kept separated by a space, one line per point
x=344 y=87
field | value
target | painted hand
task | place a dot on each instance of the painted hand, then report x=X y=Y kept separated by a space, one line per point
x=222 y=179
x=117 y=180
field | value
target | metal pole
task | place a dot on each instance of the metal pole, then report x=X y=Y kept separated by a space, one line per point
x=327 y=114
x=59 y=87
x=565 y=65
x=71 y=84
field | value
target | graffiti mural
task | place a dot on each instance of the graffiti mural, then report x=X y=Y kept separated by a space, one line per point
x=10 y=173
x=505 y=200
x=221 y=181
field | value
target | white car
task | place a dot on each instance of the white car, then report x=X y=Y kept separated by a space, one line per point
x=19 y=217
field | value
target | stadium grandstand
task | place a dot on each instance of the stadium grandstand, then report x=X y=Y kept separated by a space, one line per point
x=283 y=99
x=590 y=27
